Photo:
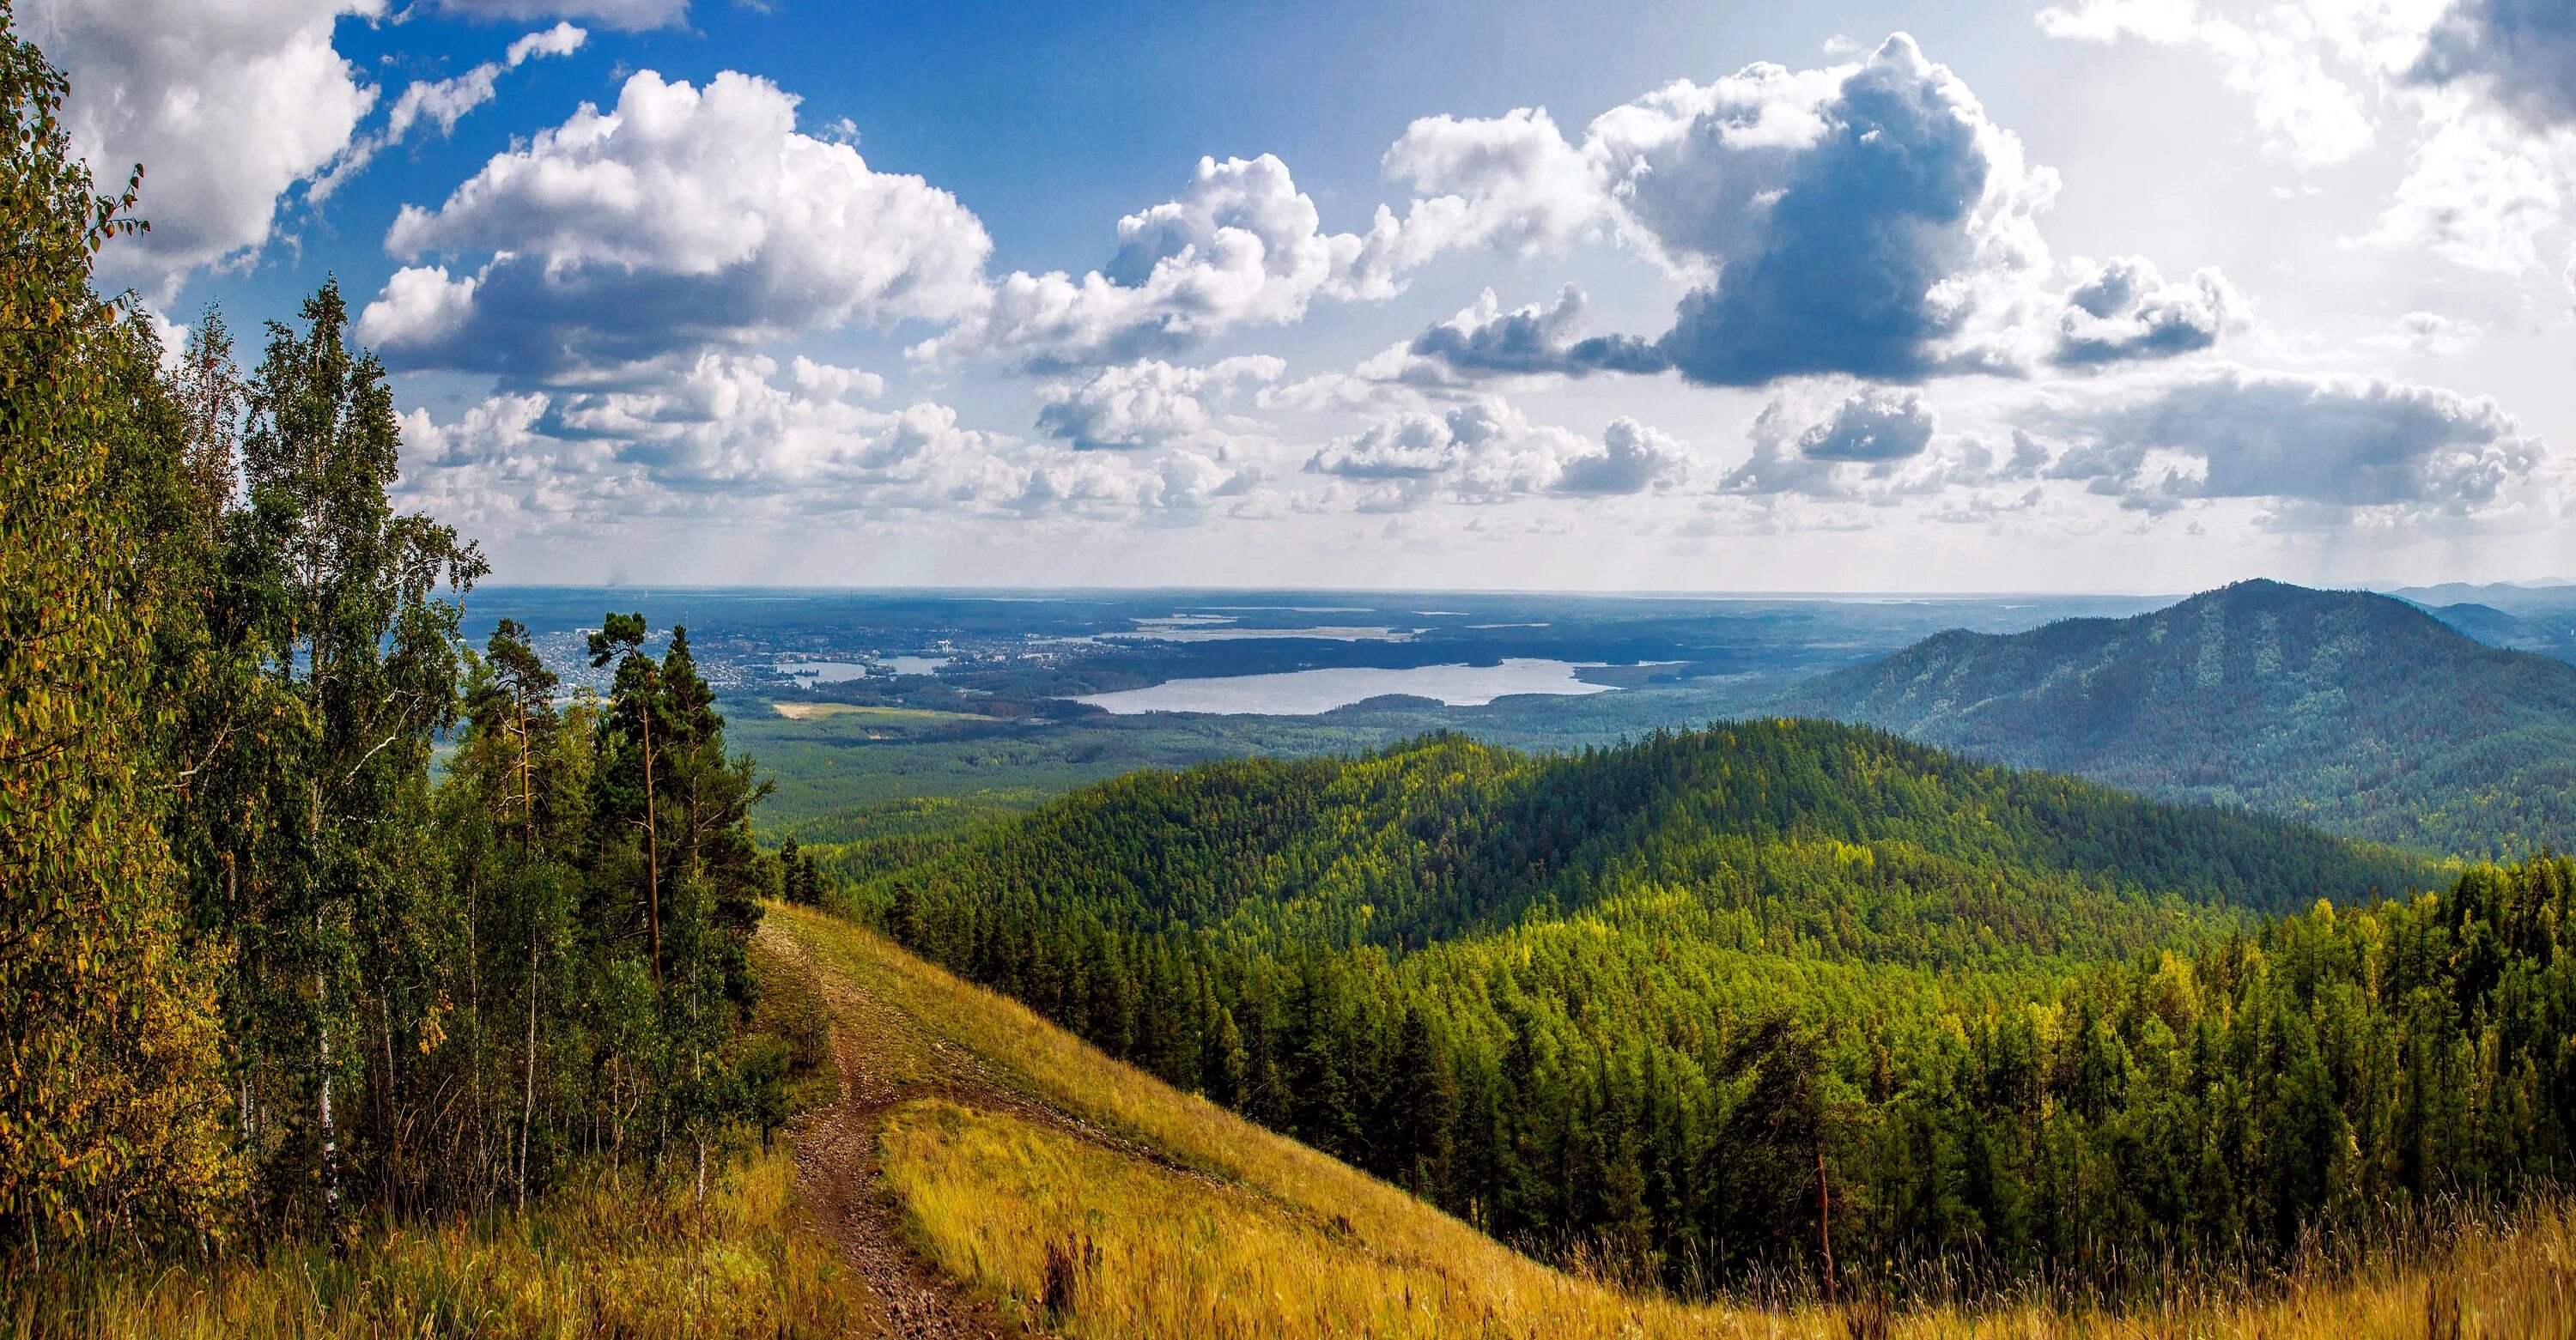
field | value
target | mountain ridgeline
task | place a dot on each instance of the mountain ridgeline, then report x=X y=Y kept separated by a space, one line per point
x=1698 y=1005
x=2355 y=712
x=1805 y=837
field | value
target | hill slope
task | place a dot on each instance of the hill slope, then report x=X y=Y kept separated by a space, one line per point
x=2356 y=712
x=1650 y=1002
x=1840 y=841
x=1084 y=1195
x=1004 y=1139
x=1062 y=1189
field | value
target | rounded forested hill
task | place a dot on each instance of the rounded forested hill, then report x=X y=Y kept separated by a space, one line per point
x=2356 y=712
x=1805 y=836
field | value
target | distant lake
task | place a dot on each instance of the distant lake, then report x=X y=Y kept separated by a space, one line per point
x=811 y=673
x=823 y=672
x=1307 y=692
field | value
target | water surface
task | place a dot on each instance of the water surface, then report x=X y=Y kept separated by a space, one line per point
x=1308 y=692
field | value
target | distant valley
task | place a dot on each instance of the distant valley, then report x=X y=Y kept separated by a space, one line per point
x=2439 y=717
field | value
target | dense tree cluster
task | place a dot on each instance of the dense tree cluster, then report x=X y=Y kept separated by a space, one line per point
x=1777 y=834
x=260 y=972
x=1708 y=1003
x=108 y=1030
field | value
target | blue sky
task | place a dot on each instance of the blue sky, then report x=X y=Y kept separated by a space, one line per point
x=2115 y=294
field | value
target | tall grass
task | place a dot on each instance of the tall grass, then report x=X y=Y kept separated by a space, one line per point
x=1179 y=1219
x=610 y=1256
x=1101 y=1246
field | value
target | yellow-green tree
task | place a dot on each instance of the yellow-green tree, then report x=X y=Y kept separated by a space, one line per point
x=111 y=1115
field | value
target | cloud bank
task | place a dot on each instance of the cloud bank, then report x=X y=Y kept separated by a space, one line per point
x=680 y=218
x=2334 y=442
x=1241 y=245
x=1145 y=404
x=1489 y=451
x=226 y=106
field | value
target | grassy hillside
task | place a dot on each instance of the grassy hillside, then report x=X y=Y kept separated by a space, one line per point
x=2355 y=712
x=1004 y=1136
x=629 y=1257
x=1069 y=1191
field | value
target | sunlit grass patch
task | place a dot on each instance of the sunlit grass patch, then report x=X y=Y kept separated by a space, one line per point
x=1098 y=1244
x=609 y=1256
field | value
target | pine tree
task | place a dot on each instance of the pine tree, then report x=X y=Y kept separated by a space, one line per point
x=1224 y=1065
x=631 y=774
x=1426 y=1107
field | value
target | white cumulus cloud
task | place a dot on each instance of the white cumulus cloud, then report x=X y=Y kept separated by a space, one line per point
x=2122 y=309
x=1489 y=451
x=1240 y=246
x=226 y=106
x=2337 y=443
x=1865 y=219
x=1147 y=403
x=679 y=218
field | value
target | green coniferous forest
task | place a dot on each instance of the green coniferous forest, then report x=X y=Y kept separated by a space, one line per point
x=1713 y=1004
x=260 y=977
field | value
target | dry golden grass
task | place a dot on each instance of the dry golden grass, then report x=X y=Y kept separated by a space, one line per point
x=1246 y=1233
x=1307 y=1197
x=605 y=1258
x=1100 y=1245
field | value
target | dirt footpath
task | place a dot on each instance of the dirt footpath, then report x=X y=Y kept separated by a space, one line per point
x=837 y=1174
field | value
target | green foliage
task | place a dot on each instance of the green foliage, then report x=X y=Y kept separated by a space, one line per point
x=605 y=896
x=317 y=809
x=1698 y=1004
x=1833 y=839
x=109 y=1092
x=256 y=970
x=2355 y=712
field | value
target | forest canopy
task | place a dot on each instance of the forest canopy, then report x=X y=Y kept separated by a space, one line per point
x=261 y=973
x=1706 y=1004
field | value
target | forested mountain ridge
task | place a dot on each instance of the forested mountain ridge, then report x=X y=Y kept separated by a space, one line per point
x=1664 y=1003
x=2355 y=712
x=1841 y=840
